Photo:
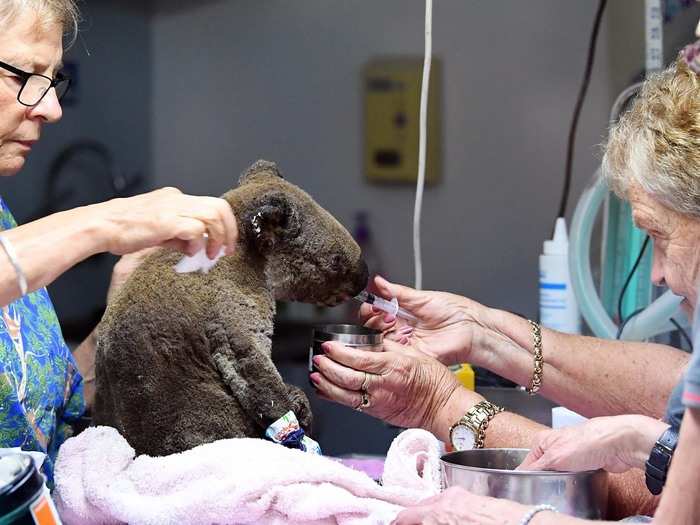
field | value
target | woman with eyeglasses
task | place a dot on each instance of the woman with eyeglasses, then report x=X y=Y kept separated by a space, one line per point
x=41 y=383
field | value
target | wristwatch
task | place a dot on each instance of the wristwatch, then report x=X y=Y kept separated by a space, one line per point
x=660 y=460
x=470 y=430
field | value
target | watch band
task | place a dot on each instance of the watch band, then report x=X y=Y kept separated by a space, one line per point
x=477 y=419
x=660 y=460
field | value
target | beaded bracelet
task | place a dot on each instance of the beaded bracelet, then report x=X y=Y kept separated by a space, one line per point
x=531 y=513
x=12 y=256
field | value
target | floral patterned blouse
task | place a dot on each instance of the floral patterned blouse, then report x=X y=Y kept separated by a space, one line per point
x=41 y=390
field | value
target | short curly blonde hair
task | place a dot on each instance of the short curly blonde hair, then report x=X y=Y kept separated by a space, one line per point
x=656 y=144
x=62 y=12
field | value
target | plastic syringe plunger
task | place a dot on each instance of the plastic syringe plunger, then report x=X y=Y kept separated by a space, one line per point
x=390 y=307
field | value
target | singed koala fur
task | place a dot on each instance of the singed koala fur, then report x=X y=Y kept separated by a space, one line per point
x=184 y=359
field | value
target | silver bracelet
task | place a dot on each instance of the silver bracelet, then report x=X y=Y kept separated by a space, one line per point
x=12 y=256
x=531 y=513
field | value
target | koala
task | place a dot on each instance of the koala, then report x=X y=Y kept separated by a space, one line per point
x=185 y=359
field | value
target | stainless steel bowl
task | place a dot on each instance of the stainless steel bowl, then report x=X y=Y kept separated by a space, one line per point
x=352 y=335
x=491 y=472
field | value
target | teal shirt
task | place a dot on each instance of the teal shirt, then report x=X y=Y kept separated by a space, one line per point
x=41 y=390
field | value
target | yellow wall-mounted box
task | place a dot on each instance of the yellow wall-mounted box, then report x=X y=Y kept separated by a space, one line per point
x=392 y=108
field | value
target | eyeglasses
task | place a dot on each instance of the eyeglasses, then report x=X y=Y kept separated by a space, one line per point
x=35 y=87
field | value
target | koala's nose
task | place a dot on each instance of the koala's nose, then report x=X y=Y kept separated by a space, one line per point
x=361 y=276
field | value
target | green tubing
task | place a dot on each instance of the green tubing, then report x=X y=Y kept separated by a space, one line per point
x=582 y=223
x=655 y=318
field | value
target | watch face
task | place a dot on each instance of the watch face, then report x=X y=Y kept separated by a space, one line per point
x=462 y=438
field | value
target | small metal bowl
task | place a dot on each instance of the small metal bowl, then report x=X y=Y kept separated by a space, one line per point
x=491 y=472
x=352 y=335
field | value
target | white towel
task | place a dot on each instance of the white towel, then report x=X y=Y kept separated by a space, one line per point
x=99 y=481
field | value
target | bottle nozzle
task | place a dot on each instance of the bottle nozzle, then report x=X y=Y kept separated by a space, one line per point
x=559 y=244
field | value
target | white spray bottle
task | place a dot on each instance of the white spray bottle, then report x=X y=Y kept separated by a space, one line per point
x=558 y=307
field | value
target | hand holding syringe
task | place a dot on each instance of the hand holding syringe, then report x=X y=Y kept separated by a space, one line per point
x=391 y=307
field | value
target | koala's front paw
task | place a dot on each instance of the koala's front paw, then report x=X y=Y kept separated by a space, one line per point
x=301 y=408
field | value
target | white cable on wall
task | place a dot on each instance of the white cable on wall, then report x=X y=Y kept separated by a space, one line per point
x=422 y=141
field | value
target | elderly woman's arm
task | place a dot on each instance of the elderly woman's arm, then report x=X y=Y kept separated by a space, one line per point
x=615 y=444
x=591 y=376
x=46 y=248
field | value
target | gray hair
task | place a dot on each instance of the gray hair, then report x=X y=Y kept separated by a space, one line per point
x=62 y=12
x=656 y=144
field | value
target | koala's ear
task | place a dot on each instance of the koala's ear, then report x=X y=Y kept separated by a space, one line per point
x=259 y=170
x=273 y=223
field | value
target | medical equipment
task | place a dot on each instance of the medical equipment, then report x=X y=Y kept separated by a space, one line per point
x=392 y=307
x=654 y=320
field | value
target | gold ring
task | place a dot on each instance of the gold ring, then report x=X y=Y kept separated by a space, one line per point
x=364 y=402
x=365 y=383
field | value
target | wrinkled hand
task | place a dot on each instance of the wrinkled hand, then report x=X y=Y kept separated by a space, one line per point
x=615 y=444
x=167 y=217
x=406 y=387
x=124 y=268
x=458 y=506
x=447 y=323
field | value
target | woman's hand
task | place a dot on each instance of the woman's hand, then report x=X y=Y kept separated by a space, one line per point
x=167 y=217
x=447 y=327
x=615 y=444
x=459 y=506
x=405 y=387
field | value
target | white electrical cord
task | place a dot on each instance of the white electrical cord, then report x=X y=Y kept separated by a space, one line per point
x=422 y=141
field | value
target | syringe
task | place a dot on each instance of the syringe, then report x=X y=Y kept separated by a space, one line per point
x=391 y=307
